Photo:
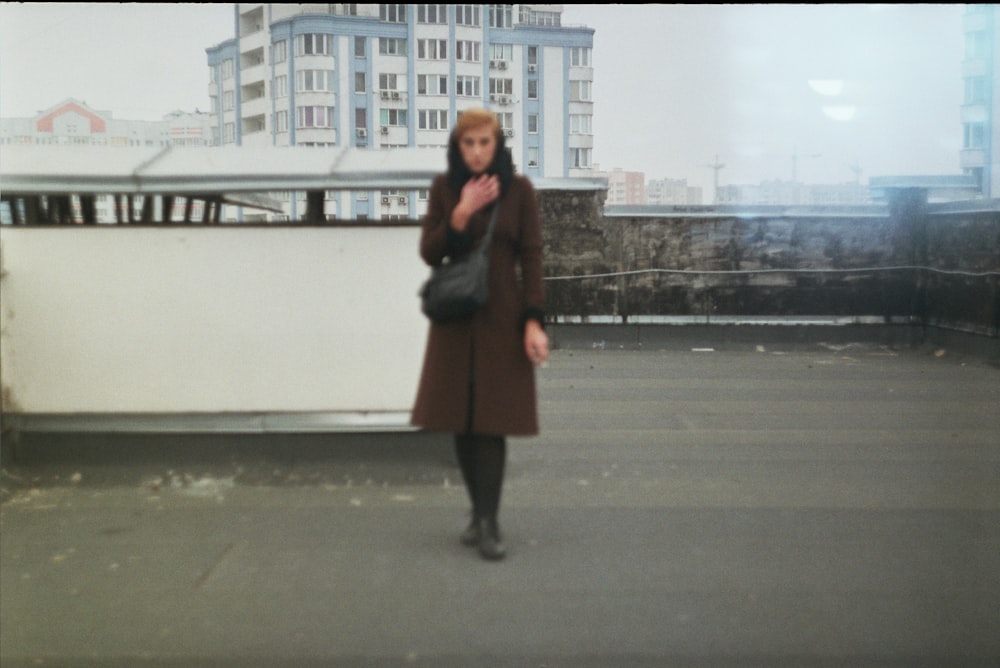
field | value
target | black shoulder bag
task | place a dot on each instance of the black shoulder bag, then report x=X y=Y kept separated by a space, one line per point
x=458 y=288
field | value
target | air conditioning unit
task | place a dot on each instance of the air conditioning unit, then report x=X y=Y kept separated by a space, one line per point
x=385 y=200
x=385 y=95
x=504 y=99
x=362 y=132
x=532 y=163
x=493 y=98
x=395 y=95
x=402 y=200
x=503 y=64
x=532 y=68
x=508 y=133
x=494 y=64
x=385 y=129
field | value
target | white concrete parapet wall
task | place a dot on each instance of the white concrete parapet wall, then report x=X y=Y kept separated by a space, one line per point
x=211 y=321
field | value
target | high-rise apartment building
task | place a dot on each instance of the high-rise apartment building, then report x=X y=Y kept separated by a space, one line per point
x=378 y=76
x=980 y=156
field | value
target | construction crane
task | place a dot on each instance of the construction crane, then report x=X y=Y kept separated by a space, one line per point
x=856 y=168
x=716 y=166
x=795 y=163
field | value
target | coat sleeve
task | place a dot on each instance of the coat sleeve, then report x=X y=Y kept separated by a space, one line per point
x=438 y=239
x=532 y=276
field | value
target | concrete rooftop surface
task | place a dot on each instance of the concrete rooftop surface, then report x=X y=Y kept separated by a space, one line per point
x=694 y=504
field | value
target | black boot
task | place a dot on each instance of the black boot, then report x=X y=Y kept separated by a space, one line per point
x=471 y=536
x=490 y=545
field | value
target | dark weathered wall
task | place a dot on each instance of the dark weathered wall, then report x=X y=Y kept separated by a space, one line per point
x=964 y=292
x=872 y=261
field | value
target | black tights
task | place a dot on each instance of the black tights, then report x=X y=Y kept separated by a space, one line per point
x=482 y=459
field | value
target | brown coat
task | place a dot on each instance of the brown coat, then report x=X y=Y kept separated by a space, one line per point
x=484 y=356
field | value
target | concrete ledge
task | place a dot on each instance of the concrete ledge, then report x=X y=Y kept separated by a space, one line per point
x=226 y=423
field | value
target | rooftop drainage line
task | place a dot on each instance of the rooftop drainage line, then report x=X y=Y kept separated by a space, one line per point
x=702 y=272
x=136 y=176
x=339 y=158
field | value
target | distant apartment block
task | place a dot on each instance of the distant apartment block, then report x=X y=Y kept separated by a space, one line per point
x=980 y=156
x=625 y=188
x=794 y=193
x=672 y=192
x=378 y=76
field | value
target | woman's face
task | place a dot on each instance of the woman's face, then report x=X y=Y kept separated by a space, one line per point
x=478 y=146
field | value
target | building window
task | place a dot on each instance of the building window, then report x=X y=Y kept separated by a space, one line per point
x=532 y=156
x=360 y=82
x=280 y=88
x=279 y=51
x=227 y=68
x=501 y=16
x=281 y=121
x=506 y=119
x=307 y=81
x=314 y=117
x=975 y=90
x=392 y=13
x=975 y=135
x=387 y=81
x=229 y=133
x=361 y=118
x=579 y=91
x=976 y=45
x=467 y=51
x=533 y=124
x=392 y=46
x=579 y=56
x=532 y=17
x=359 y=47
x=579 y=124
x=501 y=51
x=432 y=84
x=228 y=100
x=314 y=44
x=432 y=119
x=467 y=86
x=532 y=89
x=392 y=116
x=501 y=86
x=467 y=15
x=533 y=55
x=580 y=157
x=432 y=49
x=432 y=13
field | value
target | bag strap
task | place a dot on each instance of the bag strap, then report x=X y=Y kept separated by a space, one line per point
x=484 y=245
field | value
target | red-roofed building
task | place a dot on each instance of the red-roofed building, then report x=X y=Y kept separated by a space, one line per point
x=73 y=122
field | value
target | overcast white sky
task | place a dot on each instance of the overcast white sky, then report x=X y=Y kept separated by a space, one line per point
x=675 y=85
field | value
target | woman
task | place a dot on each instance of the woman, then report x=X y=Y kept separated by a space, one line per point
x=478 y=381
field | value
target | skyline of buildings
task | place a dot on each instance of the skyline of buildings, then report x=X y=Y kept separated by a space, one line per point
x=385 y=76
